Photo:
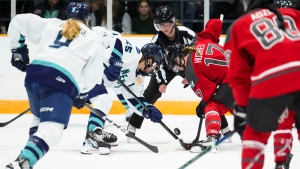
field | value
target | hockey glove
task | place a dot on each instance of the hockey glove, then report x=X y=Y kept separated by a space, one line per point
x=80 y=100
x=200 y=109
x=153 y=114
x=113 y=71
x=239 y=113
x=20 y=58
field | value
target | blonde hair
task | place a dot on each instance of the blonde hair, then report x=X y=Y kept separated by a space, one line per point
x=177 y=23
x=71 y=29
x=187 y=50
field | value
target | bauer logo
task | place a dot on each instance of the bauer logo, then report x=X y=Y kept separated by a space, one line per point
x=44 y=109
x=58 y=78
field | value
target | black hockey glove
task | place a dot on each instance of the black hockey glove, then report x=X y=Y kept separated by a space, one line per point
x=20 y=58
x=200 y=109
x=239 y=119
x=153 y=114
x=80 y=100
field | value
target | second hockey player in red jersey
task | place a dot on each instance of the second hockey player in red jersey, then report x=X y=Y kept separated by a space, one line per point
x=205 y=69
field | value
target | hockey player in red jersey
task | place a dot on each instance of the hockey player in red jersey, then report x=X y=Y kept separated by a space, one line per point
x=205 y=68
x=262 y=47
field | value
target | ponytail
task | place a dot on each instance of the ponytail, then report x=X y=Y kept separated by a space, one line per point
x=187 y=50
x=71 y=29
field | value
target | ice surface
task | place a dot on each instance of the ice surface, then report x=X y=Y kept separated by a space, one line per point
x=133 y=155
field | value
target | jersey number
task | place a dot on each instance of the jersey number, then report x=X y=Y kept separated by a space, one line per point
x=268 y=34
x=210 y=51
x=60 y=41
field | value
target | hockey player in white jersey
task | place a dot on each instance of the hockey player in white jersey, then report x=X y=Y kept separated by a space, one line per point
x=67 y=65
x=126 y=62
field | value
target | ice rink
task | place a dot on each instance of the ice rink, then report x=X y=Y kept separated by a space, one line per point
x=133 y=155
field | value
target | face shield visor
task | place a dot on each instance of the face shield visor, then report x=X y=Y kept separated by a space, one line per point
x=159 y=26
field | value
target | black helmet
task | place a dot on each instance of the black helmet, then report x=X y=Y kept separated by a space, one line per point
x=283 y=4
x=152 y=52
x=163 y=14
x=174 y=54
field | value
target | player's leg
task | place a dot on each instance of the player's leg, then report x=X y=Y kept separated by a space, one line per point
x=55 y=108
x=152 y=93
x=102 y=102
x=254 y=144
x=283 y=140
x=262 y=118
x=212 y=112
x=224 y=128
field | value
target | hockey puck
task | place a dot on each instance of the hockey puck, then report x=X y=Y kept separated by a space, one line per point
x=177 y=131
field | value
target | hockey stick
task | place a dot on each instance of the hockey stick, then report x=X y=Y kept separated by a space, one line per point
x=144 y=106
x=199 y=131
x=6 y=123
x=156 y=149
x=207 y=150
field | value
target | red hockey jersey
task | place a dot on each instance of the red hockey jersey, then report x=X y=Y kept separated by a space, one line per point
x=207 y=71
x=264 y=60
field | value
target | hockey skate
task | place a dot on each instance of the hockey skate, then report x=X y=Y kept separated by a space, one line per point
x=226 y=131
x=20 y=163
x=109 y=138
x=94 y=144
x=203 y=144
x=284 y=165
x=131 y=129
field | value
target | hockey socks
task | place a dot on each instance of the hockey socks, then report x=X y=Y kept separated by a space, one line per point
x=95 y=121
x=283 y=142
x=34 y=150
x=212 y=123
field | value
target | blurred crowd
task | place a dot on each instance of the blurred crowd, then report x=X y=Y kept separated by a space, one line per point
x=132 y=17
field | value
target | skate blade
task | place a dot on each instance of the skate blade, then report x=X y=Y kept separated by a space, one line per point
x=92 y=151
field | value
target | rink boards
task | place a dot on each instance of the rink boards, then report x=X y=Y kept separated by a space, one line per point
x=13 y=98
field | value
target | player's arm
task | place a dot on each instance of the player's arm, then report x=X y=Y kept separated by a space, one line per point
x=153 y=113
x=113 y=71
x=26 y=25
x=20 y=26
x=239 y=69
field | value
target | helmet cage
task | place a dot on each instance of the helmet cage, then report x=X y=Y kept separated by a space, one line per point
x=174 y=58
x=153 y=56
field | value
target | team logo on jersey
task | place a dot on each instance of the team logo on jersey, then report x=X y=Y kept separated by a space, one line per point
x=58 y=78
x=139 y=80
x=199 y=93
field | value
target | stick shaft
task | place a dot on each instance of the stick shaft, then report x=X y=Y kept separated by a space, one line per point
x=15 y=118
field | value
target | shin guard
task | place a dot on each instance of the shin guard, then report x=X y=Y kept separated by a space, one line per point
x=212 y=123
x=283 y=142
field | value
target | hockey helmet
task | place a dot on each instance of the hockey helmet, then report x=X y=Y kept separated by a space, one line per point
x=283 y=4
x=163 y=14
x=152 y=52
x=78 y=10
x=174 y=57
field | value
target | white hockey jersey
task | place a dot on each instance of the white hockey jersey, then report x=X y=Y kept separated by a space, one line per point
x=73 y=66
x=130 y=75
